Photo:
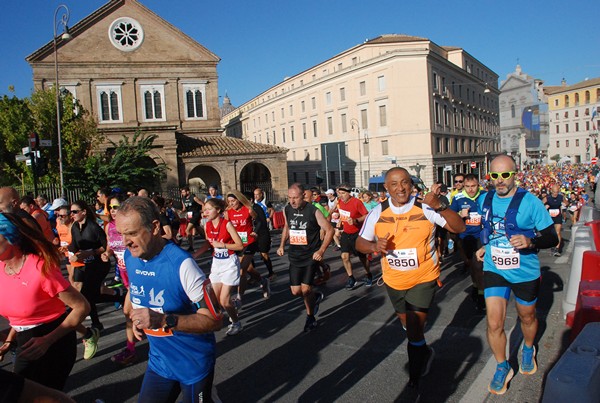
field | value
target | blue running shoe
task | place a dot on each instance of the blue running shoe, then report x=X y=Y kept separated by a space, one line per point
x=528 y=365
x=502 y=376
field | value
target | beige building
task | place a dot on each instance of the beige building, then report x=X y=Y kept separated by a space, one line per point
x=393 y=100
x=574 y=120
x=136 y=72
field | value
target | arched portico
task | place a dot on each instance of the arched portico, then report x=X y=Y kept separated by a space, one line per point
x=202 y=176
x=253 y=175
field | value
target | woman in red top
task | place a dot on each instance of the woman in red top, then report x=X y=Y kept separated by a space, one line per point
x=225 y=268
x=241 y=215
x=33 y=295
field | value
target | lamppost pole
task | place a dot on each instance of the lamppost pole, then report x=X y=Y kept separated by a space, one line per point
x=354 y=122
x=366 y=141
x=64 y=19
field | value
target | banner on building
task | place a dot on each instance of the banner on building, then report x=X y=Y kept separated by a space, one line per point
x=530 y=121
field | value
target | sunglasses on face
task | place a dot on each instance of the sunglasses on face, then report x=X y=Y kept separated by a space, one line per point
x=75 y=212
x=458 y=181
x=115 y=206
x=503 y=175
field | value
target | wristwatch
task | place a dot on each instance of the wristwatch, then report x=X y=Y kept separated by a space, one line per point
x=170 y=322
x=443 y=205
x=533 y=243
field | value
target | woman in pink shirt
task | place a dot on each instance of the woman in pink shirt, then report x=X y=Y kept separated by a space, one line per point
x=33 y=297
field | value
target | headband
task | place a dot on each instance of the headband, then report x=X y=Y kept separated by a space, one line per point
x=8 y=230
x=344 y=190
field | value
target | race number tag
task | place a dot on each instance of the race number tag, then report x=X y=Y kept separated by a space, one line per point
x=506 y=258
x=190 y=214
x=344 y=215
x=120 y=257
x=554 y=212
x=335 y=217
x=221 y=253
x=403 y=259
x=244 y=236
x=474 y=219
x=298 y=237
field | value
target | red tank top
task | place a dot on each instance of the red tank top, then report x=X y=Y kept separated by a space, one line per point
x=242 y=222
x=218 y=234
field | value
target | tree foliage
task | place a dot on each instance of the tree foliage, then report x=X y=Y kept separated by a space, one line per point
x=16 y=122
x=555 y=157
x=37 y=114
x=79 y=133
x=126 y=165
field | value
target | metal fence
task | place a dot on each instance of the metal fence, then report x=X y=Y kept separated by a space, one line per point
x=52 y=191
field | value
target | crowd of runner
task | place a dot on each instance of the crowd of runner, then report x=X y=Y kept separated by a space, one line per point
x=150 y=243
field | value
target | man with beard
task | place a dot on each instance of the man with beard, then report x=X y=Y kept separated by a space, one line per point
x=515 y=225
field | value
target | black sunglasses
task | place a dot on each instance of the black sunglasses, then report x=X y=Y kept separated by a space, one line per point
x=75 y=211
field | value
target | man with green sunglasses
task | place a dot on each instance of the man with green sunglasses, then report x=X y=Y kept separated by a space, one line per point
x=515 y=225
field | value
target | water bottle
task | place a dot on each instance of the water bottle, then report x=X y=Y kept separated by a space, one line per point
x=450 y=245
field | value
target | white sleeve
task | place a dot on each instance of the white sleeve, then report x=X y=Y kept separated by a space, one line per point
x=433 y=216
x=368 y=228
x=192 y=278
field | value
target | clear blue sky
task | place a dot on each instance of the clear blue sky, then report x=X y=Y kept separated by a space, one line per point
x=261 y=42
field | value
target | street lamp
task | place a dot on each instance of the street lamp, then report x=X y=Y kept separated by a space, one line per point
x=64 y=19
x=354 y=122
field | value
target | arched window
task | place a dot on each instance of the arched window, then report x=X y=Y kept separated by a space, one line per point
x=109 y=103
x=195 y=104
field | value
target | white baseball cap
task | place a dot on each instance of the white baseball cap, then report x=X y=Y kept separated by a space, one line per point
x=58 y=203
x=329 y=192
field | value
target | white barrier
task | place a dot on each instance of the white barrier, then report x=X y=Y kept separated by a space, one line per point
x=583 y=240
x=588 y=213
x=576 y=376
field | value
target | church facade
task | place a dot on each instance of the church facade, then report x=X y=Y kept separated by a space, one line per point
x=135 y=72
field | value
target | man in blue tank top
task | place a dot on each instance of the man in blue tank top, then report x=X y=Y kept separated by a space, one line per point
x=511 y=236
x=170 y=301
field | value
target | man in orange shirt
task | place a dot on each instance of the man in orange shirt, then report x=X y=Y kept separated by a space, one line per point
x=30 y=206
x=402 y=229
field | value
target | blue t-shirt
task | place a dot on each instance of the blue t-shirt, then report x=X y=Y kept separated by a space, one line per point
x=473 y=223
x=500 y=257
x=171 y=282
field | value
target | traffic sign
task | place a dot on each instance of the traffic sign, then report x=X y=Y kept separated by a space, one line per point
x=473 y=164
x=26 y=150
x=21 y=158
x=45 y=143
x=33 y=140
x=594 y=160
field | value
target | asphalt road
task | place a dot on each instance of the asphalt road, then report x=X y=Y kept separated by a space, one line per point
x=358 y=352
